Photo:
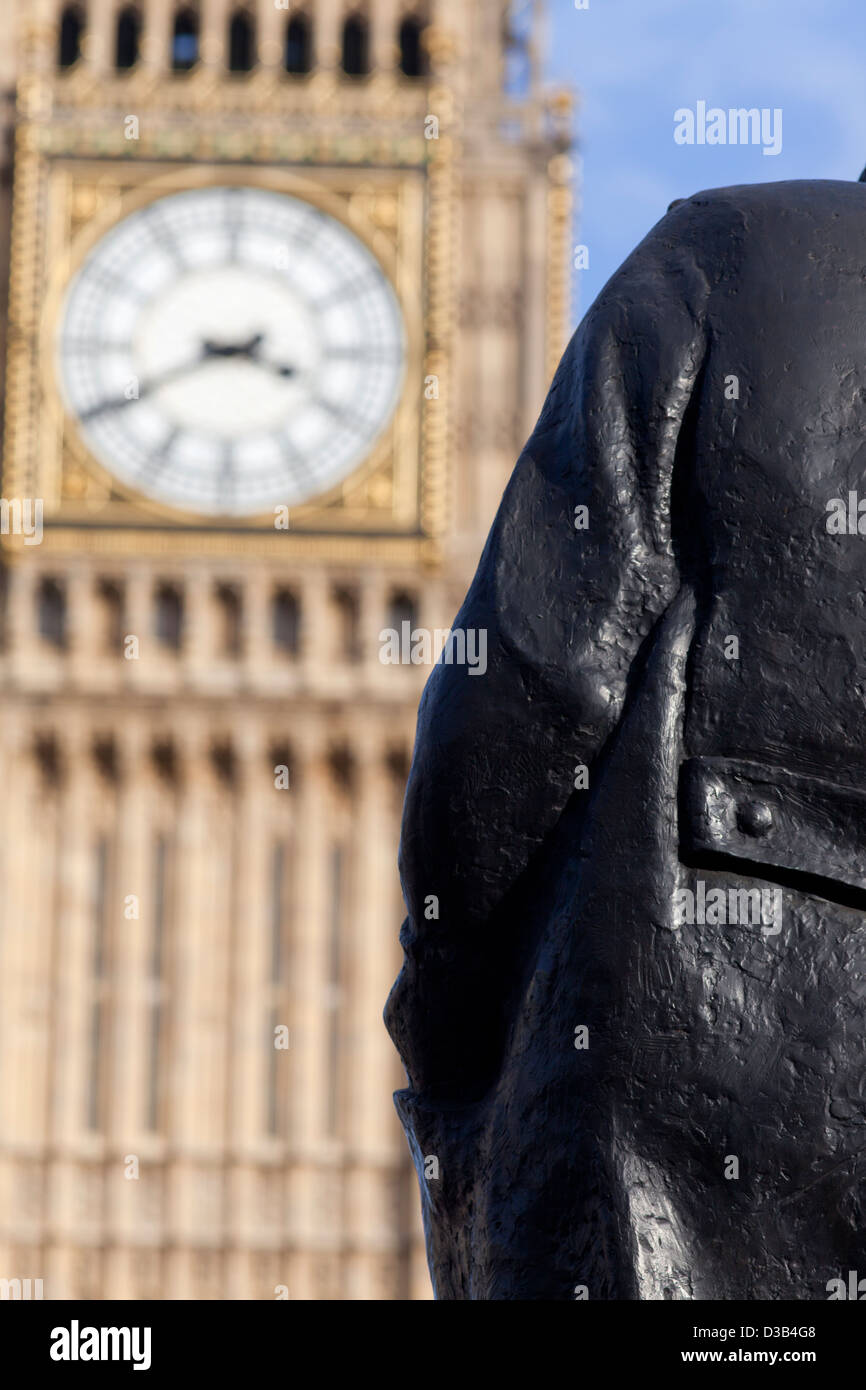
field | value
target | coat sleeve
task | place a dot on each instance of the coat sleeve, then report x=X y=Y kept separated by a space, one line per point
x=564 y=611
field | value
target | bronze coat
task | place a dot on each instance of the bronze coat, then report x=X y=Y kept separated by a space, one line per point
x=608 y=1168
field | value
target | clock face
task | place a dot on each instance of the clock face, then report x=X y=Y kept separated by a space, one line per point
x=228 y=350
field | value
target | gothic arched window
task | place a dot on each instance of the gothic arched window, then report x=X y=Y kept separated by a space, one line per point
x=110 y=595
x=69 y=36
x=168 y=616
x=184 y=42
x=346 y=623
x=299 y=45
x=356 y=62
x=402 y=608
x=51 y=601
x=242 y=42
x=127 y=38
x=286 y=621
x=413 y=59
x=230 y=608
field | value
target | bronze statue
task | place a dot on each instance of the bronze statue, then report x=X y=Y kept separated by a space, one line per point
x=634 y=851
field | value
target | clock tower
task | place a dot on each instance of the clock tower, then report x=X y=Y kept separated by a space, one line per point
x=286 y=286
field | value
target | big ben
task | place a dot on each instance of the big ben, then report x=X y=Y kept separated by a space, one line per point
x=286 y=286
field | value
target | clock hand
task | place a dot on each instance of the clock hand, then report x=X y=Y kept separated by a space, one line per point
x=249 y=350
x=209 y=349
x=280 y=368
x=145 y=389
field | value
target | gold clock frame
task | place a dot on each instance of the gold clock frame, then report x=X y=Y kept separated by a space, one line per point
x=73 y=182
x=396 y=448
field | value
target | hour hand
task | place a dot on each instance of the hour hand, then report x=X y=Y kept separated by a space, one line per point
x=248 y=349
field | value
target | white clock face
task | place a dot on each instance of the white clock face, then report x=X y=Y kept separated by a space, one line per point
x=228 y=350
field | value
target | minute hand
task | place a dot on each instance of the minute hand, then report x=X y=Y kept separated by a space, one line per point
x=145 y=389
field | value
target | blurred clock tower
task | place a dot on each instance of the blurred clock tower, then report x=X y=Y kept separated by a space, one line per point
x=286 y=285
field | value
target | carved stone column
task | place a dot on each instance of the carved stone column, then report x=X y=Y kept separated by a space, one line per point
x=137 y=623
x=327 y=34
x=99 y=36
x=374 y=1141
x=213 y=45
x=131 y=1060
x=81 y=624
x=372 y=619
x=198 y=625
x=75 y=941
x=257 y=647
x=77 y=1143
x=315 y=625
x=250 y=1041
x=271 y=33
x=308 y=1095
x=26 y=940
x=196 y=1123
x=385 y=22
x=156 y=39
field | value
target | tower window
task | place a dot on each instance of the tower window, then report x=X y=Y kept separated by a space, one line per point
x=231 y=617
x=355 y=46
x=346 y=624
x=402 y=608
x=52 y=612
x=111 y=599
x=285 y=621
x=241 y=42
x=184 y=44
x=128 y=37
x=166 y=763
x=298 y=57
x=69 y=37
x=47 y=754
x=413 y=59
x=105 y=757
x=169 y=616
x=224 y=762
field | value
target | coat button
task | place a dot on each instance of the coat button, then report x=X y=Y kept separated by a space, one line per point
x=754 y=818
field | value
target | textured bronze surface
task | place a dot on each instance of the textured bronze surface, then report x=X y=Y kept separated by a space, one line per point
x=634 y=1087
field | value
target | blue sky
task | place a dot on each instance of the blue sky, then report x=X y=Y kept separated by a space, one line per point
x=634 y=62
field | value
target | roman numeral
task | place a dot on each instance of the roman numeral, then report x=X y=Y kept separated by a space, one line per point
x=90 y=347
x=166 y=238
x=117 y=284
x=233 y=214
x=349 y=289
x=225 y=488
x=159 y=459
x=364 y=352
x=339 y=413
